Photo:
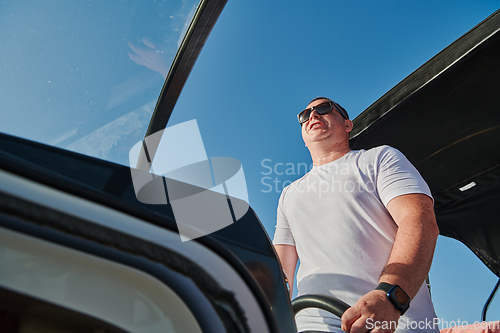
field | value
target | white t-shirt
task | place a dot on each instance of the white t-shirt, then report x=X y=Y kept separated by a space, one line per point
x=336 y=217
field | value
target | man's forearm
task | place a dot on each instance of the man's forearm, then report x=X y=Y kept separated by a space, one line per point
x=408 y=263
x=288 y=258
x=413 y=249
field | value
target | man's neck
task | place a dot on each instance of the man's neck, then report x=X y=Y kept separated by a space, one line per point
x=322 y=155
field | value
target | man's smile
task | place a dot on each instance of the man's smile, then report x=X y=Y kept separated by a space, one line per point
x=315 y=124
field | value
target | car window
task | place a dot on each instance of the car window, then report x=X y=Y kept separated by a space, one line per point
x=86 y=75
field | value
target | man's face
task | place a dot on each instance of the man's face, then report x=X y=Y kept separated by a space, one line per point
x=330 y=126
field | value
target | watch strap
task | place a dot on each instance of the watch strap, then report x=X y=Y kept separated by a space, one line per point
x=384 y=286
x=387 y=287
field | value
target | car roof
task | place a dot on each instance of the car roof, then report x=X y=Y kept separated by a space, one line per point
x=445 y=118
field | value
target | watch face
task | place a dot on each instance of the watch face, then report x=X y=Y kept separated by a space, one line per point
x=400 y=296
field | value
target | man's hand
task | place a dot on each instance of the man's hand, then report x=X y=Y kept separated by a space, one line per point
x=373 y=312
x=408 y=264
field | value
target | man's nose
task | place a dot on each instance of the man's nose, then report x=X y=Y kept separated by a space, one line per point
x=313 y=114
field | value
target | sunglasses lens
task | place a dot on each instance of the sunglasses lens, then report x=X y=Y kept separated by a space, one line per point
x=304 y=116
x=320 y=109
x=324 y=108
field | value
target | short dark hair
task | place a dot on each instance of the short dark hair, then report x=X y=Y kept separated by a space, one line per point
x=334 y=103
x=320 y=97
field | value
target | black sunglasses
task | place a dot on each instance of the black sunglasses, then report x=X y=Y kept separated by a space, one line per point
x=321 y=109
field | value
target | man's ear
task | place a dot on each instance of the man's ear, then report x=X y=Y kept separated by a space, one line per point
x=348 y=125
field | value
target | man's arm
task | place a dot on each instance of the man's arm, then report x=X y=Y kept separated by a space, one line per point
x=288 y=258
x=408 y=264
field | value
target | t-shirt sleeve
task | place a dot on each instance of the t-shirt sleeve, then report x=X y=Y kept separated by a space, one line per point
x=283 y=234
x=397 y=176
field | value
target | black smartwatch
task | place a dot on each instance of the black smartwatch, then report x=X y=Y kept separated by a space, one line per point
x=396 y=295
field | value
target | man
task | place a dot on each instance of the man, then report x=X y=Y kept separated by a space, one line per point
x=362 y=224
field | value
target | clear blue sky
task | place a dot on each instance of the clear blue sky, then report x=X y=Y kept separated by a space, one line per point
x=266 y=59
